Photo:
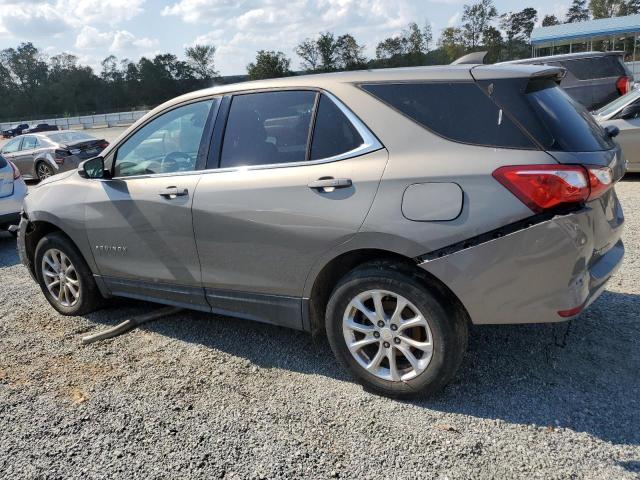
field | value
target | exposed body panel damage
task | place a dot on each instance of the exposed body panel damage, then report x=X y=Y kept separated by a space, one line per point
x=565 y=268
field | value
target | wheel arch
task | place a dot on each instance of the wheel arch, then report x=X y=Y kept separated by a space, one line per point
x=329 y=275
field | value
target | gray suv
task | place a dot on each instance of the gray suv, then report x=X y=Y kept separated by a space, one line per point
x=387 y=209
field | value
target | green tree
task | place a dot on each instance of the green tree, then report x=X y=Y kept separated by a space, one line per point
x=308 y=51
x=427 y=34
x=477 y=18
x=350 y=53
x=269 y=64
x=201 y=59
x=451 y=43
x=550 y=20
x=578 y=12
x=518 y=27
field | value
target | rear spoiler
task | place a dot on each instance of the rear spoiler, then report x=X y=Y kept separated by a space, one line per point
x=533 y=72
x=473 y=58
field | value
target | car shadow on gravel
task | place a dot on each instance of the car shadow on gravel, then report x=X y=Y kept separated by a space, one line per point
x=581 y=375
x=8 y=252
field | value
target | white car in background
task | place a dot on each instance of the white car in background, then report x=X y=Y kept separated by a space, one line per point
x=624 y=113
x=12 y=193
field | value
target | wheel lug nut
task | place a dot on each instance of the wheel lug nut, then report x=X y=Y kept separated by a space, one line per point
x=396 y=340
x=376 y=334
x=380 y=323
x=394 y=327
x=386 y=344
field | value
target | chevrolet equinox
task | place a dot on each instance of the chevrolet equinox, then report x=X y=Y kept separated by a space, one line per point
x=385 y=208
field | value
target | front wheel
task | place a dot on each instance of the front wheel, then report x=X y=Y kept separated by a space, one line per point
x=393 y=334
x=64 y=276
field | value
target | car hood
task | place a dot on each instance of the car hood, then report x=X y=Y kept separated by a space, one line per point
x=56 y=178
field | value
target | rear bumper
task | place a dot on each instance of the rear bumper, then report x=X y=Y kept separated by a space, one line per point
x=530 y=275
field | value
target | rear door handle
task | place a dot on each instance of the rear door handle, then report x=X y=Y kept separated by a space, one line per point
x=329 y=184
x=173 y=192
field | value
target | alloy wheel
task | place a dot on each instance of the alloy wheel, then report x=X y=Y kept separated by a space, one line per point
x=60 y=277
x=44 y=171
x=387 y=335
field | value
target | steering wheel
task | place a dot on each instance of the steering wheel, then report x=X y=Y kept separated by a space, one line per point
x=171 y=162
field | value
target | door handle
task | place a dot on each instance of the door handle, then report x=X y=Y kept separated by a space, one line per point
x=329 y=184
x=173 y=192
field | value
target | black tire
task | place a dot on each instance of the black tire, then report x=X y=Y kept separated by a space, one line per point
x=44 y=166
x=448 y=325
x=89 y=297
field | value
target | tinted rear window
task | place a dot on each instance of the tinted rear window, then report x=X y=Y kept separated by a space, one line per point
x=70 y=137
x=552 y=117
x=596 y=67
x=333 y=134
x=458 y=111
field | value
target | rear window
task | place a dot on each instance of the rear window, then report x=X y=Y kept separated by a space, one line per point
x=70 y=137
x=458 y=111
x=553 y=118
x=595 y=67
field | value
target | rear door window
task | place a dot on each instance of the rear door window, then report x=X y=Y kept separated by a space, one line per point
x=268 y=128
x=458 y=111
x=29 y=143
x=333 y=134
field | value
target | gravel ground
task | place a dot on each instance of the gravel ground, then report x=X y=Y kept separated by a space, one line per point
x=196 y=396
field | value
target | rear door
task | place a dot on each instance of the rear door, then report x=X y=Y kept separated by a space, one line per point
x=24 y=158
x=292 y=175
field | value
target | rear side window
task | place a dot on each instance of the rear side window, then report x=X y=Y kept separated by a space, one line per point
x=29 y=143
x=267 y=128
x=595 y=67
x=458 y=111
x=333 y=134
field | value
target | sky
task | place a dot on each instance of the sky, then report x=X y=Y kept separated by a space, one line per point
x=95 y=29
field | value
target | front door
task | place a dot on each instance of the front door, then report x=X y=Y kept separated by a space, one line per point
x=139 y=222
x=279 y=199
x=24 y=158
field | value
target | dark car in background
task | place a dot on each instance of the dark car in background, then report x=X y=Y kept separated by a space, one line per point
x=15 y=131
x=42 y=127
x=593 y=78
x=40 y=155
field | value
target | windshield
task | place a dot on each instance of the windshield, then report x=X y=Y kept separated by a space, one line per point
x=618 y=103
x=70 y=137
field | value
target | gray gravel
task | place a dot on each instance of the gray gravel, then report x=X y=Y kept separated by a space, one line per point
x=196 y=396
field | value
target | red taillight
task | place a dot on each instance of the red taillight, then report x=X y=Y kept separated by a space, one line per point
x=60 y=156
x=544 y=187
x=571 y=312
x=103 y=144
x=16 y=172
x=623 y=84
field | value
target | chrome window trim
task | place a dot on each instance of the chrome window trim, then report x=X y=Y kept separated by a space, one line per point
x=370 y=144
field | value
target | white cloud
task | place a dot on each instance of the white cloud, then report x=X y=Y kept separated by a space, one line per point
x=454 y=20
x=28 y=20
x=114 y=41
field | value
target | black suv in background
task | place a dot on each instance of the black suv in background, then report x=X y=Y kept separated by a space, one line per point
x=593 y=78
x=15 y=131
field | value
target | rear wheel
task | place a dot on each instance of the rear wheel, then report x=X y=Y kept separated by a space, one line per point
x=393 y=334
x=64 y=276
x=43 y=170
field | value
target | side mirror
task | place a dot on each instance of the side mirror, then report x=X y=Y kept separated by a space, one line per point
x=630 y=111
x=612 y=131
x=93 y=168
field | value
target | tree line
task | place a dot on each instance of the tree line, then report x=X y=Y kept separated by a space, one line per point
x=33 y=85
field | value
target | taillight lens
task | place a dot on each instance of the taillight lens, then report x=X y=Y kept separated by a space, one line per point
x=103 y=144
x=545 y=187
x=16 y=172
x=623 y=84
x=60 y=156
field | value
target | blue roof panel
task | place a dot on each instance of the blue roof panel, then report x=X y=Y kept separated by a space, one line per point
x=591 y=28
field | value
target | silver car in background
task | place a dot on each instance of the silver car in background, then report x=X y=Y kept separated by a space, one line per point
x=40 y=155
x=624 y=114
x=12 y=193
x=386 y=209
